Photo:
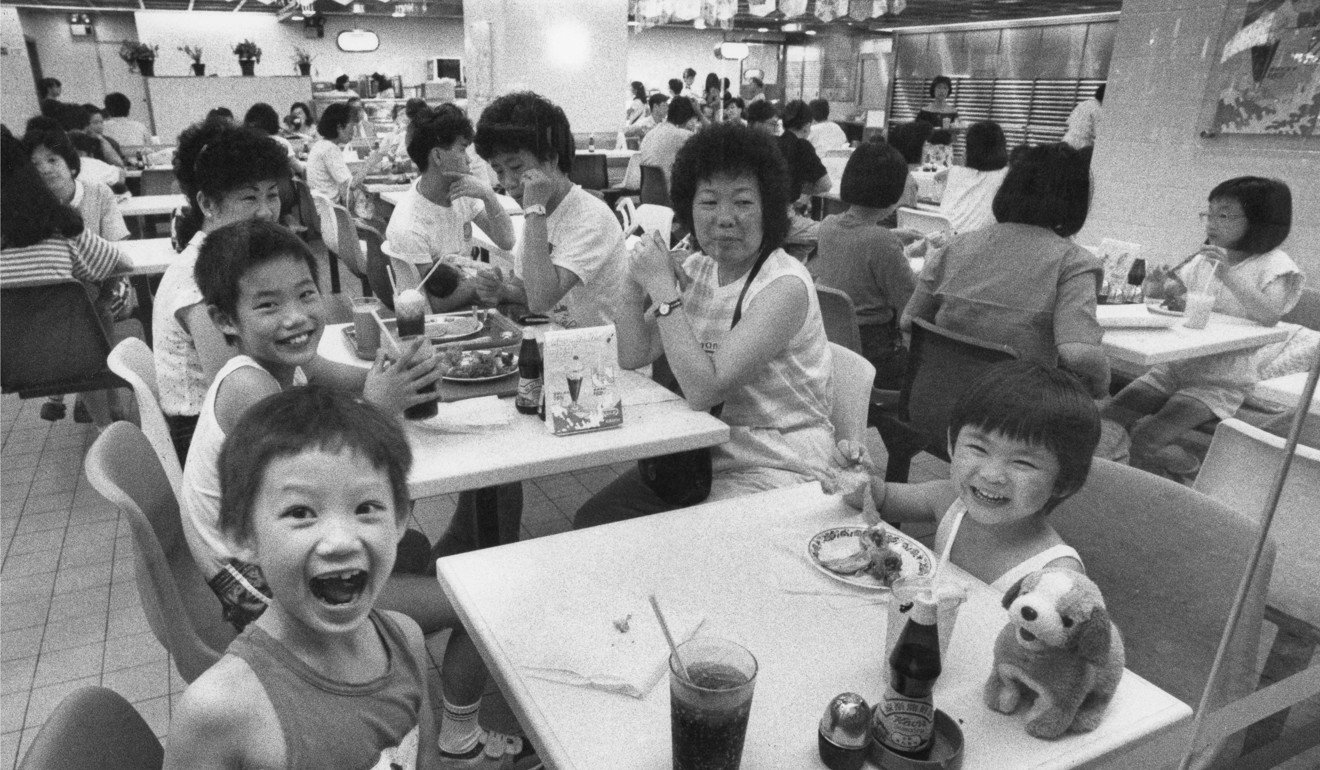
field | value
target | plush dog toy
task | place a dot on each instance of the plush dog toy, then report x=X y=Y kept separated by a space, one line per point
x=1059 y=645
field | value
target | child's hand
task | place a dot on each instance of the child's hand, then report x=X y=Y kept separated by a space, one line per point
x=852 y=480
x=848 y=454
x=488 y=284
x=395 y=384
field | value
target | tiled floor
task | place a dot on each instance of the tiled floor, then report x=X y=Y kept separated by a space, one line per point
x=69 y=609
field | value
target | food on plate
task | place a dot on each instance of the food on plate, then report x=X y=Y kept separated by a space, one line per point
x=876 y=558
x=622 y=625
x=1177 y=304
x=475 y=364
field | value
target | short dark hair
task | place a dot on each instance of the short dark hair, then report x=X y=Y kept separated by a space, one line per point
x=759 y=112
x=681 y=111
x=735 y=101
x=940 y=79
x=117 y=105
x=712 y=81
x=1035 y=404
x=820 y=110
x=875 y=175
x=221 y=112
x=305 y=419
x=526 y=121
x=92 y=109
x=231 y=251
x=307 y=110
x=1267 y=203
x=45 y=84
x=733 y=150
x=71 y=117
x=333 y=119
x=41 y=123
x=675 y=86
x=638 y=90
x=910 y=139
x=29 y=211
x=413 y=106
x=263 y=117
x=340 y=82
x=796 y=115
x=940 y=136
x=987 y=150
x=656 y=99
x=216 y=157
x=754 y=80
x=689 y=73
x=1048 y=186
x=432 y=128
x=57 y=142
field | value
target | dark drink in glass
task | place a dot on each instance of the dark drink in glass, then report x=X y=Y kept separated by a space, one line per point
x=426 y=408
x=709 y=712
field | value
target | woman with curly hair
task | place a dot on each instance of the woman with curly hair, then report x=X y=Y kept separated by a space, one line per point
x=738 y=321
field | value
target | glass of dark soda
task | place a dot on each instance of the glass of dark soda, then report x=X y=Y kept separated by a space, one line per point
x=709 y=710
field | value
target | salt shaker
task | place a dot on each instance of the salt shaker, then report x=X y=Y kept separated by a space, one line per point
x=844 y=732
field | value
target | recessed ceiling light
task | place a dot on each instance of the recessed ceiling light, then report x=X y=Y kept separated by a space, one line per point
x=763 y=30
x=811 y=32
x=792 y=26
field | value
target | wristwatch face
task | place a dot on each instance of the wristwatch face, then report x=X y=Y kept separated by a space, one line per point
x=535 y=208
x=666 y=308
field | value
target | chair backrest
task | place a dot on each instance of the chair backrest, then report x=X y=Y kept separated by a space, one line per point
x=923 y=221
x=853 y=378
x=133 y=360
x=91 y=729
x=377 y=277
x=53 y=341
x=625 y=210
x=840 y=317
x=1168 y=560
x=326 y=224
x=1307 y=310
x=350 y=248
x=1238 y=470
x=940 y=364
x=158 y=181
x=591 y=170
x=655 y=188
x=308 y=213
x=181 y=609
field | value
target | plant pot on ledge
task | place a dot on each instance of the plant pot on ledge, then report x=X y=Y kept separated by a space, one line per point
x=199 y=69
x=248 y=66
x=147 y=67
x=304 y=68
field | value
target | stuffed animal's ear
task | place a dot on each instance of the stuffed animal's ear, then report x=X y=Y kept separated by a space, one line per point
x=1011 y=594
x=1093 y=637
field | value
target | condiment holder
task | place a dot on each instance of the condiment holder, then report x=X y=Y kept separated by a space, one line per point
x=946 y=752
x=845 y=732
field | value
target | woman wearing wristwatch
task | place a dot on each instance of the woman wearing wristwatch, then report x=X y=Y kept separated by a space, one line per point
x=738 y=321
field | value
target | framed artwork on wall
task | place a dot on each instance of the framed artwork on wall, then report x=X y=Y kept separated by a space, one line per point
x=1266 y=77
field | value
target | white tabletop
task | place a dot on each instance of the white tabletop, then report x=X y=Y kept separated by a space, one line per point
x=147 y=205
x=1287 y=391
x=655 y=422
x=150 y=256
x=1224 y=334
x=612 y=154
x=713 y=560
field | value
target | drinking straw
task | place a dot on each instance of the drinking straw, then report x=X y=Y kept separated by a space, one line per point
x=948 y=547
x=660 y=616
x=389 y=271
x=387 y=334
x=422 y=282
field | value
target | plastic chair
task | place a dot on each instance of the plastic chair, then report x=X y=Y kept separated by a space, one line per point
x=350 y=246
x=53 y=342
x=1307 y=310
x=1237 y=471
x=655 y=189
x=940 y=363
x=181 y=609
x=158 y=181
x=840 y=317
x=94 y=728
x=591 y=170
x=852 y=381
x=1169 y=560
x=308 y=215
x=133 y=360
x=377 y=277
x=328 y=229
x=924 y=222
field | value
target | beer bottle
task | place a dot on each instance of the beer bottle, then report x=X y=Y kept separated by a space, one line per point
x=528 y=400
x=904 y=719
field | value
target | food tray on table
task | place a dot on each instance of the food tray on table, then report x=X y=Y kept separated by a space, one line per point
x=390 y=179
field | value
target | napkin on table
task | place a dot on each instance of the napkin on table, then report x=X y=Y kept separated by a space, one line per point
x=471 y=415
x=615 y=643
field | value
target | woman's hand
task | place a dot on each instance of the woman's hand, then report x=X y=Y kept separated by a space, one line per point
x=653 y=268
x=394 y=382
x=467 y=186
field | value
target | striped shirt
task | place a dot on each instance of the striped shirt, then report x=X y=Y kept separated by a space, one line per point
x=86 y=257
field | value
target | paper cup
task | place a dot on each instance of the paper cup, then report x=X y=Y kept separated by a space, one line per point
x=1197 y=314
x=949 y=598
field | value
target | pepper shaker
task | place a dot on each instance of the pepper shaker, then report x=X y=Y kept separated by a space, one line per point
x=844 y=732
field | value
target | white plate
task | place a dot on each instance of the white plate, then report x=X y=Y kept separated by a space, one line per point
x=1156 y=307
x=444 y=328
x=491 y=378
x=837 y=542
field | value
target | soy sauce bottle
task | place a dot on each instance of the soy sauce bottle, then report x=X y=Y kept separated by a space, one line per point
x=1137 y=276
x=530 y=376
x=904 y=719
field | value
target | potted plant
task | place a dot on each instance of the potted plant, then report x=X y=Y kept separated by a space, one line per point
x=140 y=56
x=195 y=53
x=249 y=53
x=303 y=59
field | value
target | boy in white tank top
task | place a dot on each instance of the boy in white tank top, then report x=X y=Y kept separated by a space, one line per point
x=1020 y=442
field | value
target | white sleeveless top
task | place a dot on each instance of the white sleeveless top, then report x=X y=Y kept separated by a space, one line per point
x=199 y=496
x=953 y=518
